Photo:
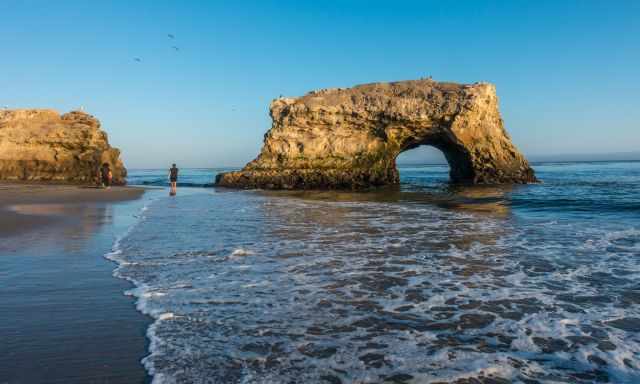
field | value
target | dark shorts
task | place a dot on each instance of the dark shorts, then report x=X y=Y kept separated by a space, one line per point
x=173 y=179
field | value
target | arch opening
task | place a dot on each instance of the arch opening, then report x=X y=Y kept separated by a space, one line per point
x=421 y=155
x=436 y=152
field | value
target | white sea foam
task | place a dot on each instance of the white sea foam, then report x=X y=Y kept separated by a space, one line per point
x=239 y=252
x=154 y=294
x=166 y=316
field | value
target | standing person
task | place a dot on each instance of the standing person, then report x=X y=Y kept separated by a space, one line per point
x=109 y=177
x=105 y=175
x=173 y=178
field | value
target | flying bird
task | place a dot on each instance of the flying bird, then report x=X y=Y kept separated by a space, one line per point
x=138 y=60
x=176 y=48
x=171 y=36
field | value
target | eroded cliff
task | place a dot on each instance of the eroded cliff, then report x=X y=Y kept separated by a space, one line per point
x=42 y=145
x=350 y=138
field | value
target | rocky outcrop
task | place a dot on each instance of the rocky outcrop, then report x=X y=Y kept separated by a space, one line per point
x=350 y=138
x=42 y=145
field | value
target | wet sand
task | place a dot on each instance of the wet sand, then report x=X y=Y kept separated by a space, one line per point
x=11 y=194
x=64 y=316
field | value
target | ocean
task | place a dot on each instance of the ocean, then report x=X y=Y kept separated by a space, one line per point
x=423 y=283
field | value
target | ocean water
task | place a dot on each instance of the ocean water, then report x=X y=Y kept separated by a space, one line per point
x=193 y=177
x=419 y=284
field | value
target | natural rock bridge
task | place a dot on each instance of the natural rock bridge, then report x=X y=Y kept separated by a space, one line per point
x=350 y=138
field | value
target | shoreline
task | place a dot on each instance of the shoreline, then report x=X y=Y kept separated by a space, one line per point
x=66 y=316
x=15 y=221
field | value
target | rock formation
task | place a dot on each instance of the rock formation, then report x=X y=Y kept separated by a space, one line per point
x=350 y=138
x=42 y=145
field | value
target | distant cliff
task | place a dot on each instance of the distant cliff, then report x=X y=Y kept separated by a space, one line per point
x=42 y=145
x=350 y=138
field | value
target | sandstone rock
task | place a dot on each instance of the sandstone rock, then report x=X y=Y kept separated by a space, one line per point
x=350 y=138
x=42 y=145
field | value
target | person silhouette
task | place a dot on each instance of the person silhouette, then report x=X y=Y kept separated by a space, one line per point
x=173 y=179
x=105 y=175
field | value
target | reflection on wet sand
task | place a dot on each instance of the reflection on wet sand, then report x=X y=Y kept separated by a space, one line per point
x=69 y=221
x=64 y=318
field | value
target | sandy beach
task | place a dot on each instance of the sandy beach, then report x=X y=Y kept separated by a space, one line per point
x=65 y=318
x=19 y=220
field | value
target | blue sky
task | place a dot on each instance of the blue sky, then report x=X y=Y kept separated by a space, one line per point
x=566 y=71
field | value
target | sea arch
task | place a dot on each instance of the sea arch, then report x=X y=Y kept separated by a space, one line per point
x=350 y=138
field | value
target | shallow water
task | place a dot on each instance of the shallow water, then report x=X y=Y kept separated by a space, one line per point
x=426 y=283
x=63 y=318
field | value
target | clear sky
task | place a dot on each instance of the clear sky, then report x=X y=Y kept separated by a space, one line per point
x=567 y=72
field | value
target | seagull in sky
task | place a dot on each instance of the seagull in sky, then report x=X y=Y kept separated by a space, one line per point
x=138 y=60
x=176 y=48
x=171 y=36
